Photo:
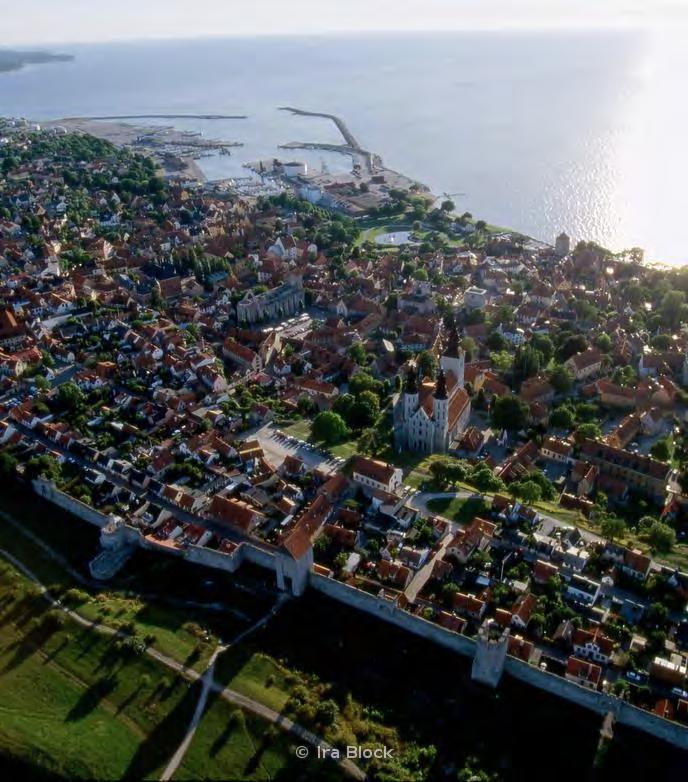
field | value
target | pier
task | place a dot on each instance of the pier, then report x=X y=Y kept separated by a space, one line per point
x=351 y=145
x=342 y=127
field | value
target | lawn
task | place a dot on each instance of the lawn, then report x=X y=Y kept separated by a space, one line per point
x=255 y=675
x=75 y=703
x=460 y=510
x=231 y=745
x=326 y=650
x=418 y=466
x=80 y=705
x=302 y=431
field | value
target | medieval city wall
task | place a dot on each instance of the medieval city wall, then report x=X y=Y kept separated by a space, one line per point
x=389 y=612
x=50 y=492
x=625 y=713
x=599 y=702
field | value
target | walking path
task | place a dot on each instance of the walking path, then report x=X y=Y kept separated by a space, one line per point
x=208 y=684
x=231 y=696
x=178 y=756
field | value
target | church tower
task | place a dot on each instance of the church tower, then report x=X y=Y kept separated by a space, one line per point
x=453 y=358
x=440 y=410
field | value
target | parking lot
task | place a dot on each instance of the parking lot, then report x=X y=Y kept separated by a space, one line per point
x=277 y=446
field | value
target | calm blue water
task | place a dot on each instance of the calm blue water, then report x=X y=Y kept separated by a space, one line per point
x=541 y=132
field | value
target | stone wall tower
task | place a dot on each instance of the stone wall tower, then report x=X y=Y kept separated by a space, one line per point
x=490 y=654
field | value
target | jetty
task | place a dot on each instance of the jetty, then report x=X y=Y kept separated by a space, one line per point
x=342 y=127
x=351 y=146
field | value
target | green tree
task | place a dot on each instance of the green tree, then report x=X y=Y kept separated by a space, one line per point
x=527 y=362
x=362 y=381
x=662 y=450
x=672 y=309
x=544 y=345
x=329 y=427
x=427 y=364
x=364 y=411
x=612 y=527
x=604 y=343
x=42 y=384
x=562 y=418
x=661 y=341
x=572 y=345
x=661 y=537
x=561 y=379
x=509 y=412
x=70 y=396
x=327 y=712
x=469 y=346
x=588 y=431
x=358 y=354
x=484 y=479
x=528 y=491
x=8 y=467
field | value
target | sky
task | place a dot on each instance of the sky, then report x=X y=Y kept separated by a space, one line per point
x=71 y=21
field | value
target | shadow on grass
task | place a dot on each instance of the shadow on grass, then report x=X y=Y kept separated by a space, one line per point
x=161 y=743
x=91 y=698
x=232 y=662
x=31 y=641
x=133 y=695
x=267 y=740
x=111 y=656
x=50 y=657
x=24 y=610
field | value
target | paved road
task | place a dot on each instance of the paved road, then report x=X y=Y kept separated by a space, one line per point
x=420 y=502
x=231 y=696
x=423 y=575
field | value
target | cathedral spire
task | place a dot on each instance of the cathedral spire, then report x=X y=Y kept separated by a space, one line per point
x=441 y=387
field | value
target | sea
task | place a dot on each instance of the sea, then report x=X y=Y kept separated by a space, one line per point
x=540 y=132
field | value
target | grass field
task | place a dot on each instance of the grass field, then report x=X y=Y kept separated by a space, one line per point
x=167 y=627
x=77 y=703
x=231 y=745
x=394 y=689
x=82 y=706
x=460 y=510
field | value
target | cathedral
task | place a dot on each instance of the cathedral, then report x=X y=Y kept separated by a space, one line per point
x=430 y=414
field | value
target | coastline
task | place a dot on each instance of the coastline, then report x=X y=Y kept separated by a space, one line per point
x=12 y=60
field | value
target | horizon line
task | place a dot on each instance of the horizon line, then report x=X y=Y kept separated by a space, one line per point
x=616 y=27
